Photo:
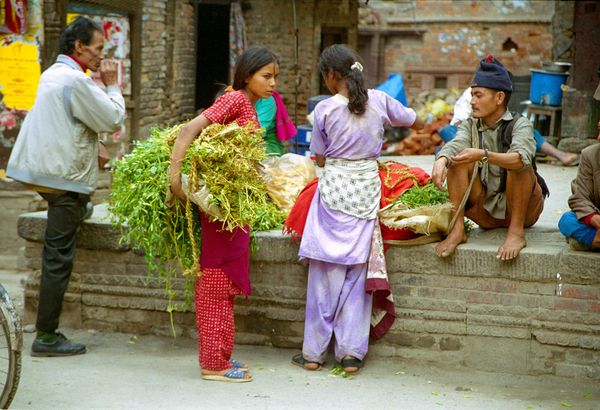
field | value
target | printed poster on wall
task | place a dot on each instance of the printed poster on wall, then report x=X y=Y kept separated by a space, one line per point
x=19 y=74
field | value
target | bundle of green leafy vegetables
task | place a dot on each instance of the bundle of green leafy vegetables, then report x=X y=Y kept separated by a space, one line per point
x=226 y=158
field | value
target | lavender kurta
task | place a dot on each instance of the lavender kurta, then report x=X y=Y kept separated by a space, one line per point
x=333 y=236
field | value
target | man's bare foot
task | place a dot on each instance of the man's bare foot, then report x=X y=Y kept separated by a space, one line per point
x=511 y=247
x=448 y=245
x=568 y=159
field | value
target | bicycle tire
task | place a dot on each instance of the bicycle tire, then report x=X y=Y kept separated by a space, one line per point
x=13 y=374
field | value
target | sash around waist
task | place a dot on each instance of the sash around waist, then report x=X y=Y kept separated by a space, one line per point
x=351 y=186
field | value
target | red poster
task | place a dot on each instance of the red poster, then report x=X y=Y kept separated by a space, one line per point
x=13 y=16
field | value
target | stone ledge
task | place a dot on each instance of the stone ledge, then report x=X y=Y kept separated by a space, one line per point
x=539 y=314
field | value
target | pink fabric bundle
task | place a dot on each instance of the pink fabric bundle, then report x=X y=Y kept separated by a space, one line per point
x=283 y=124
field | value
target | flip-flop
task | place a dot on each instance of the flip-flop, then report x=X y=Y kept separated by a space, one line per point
x=352 y=362
x=299 y=360
x=233 y=375
x=238 y=365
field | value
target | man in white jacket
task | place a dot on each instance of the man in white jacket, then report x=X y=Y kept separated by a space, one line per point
x=56 y=153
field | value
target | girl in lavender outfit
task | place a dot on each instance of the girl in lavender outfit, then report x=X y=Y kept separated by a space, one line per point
x=346 y=140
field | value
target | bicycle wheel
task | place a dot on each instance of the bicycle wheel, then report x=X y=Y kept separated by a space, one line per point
x=10 y=353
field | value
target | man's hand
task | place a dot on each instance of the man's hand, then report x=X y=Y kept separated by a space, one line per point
x=468 y=156
x=438 y=173
x=103 y=156
x=108 y=72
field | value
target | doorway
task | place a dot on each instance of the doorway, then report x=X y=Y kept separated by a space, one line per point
x=330 y=36
x=212 y=56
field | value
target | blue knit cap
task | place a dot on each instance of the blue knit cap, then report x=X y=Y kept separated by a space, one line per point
x=492 y=74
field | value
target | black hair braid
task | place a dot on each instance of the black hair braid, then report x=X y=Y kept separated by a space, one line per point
x=358 y=93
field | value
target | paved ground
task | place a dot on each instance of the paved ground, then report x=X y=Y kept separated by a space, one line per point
x=125 y=371
x=128 y=371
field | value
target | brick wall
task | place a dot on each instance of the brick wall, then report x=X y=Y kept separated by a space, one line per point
x=451 y=37
x=167 y=79
x=271 y=23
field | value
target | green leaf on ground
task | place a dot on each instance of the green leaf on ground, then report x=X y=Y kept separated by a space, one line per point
x=337 y=370
x=587 y=394
x=565 y=404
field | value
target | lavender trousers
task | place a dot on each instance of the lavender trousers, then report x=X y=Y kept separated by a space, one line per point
x=336 y=304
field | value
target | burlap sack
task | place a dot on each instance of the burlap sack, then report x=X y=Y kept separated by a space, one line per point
x=425 y=220
x=201 y=197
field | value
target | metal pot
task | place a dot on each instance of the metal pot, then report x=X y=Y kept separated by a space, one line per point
x=556 y=66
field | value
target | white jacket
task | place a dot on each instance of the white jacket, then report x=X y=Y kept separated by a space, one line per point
x=57 y=146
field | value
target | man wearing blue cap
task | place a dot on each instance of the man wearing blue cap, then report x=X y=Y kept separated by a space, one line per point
x=507 y=192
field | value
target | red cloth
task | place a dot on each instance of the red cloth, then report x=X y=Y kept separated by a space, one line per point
x=395 y=178
x=588 y=219
x=215 y=319
x=78 y=61
x=283 y=124
x=296 y=219
x=229 y=251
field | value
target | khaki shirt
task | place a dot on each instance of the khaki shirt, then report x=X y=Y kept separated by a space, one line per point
x=522 y=143
x=585 y=199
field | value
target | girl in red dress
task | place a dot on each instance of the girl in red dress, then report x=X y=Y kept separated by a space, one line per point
x=225 y=257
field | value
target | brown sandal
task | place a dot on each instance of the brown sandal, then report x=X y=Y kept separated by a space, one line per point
x=352 y=362
x=299 y=360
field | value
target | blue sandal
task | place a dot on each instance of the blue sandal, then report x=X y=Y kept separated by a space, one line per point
x=233 y=375
x=239 y=365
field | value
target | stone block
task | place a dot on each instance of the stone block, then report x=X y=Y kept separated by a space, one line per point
x=287 y=342
x=439 y=327
x=551 y=315
x=515 y=312
x=476 y=260
x=500 y=321
x=383 y=350
x=537 y=288
x=423 y=303
x=450 y=343
x=567 y=339
x=272 y=249
x=582 y=357
x=497 y=354
x=578 y=371
x=498 y=331
x=425 y=341
x=400 y=338
x=579 y=268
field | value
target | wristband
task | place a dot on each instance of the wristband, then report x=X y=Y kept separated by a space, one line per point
x=485 y=158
